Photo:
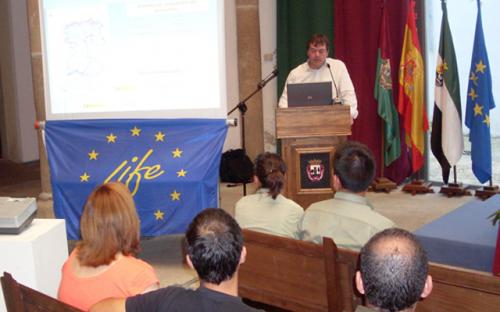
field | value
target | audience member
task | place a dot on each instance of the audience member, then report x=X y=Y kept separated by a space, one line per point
x=103 y=265
x=393 y=274
x=348 y=218
x=268 y=210
x=215 y=250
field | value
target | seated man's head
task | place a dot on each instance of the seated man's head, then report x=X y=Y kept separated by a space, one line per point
x=353 y=167
x=214 y=246
x=393 y=273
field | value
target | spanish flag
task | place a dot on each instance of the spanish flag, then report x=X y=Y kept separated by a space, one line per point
x=411 y=103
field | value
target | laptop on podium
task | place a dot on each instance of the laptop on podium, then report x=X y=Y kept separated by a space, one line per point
x=309 y=94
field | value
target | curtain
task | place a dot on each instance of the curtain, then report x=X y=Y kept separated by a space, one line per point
x=297 y=21
x=356 y=28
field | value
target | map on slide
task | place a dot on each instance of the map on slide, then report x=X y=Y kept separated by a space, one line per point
x=84 y=42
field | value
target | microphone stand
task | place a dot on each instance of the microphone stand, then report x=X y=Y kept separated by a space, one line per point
x=242 y=107
x=336 y=100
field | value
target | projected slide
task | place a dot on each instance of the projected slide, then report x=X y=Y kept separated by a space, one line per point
x=134 y=58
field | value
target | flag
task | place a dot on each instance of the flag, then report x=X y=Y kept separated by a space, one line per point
x=170 y=166
x=479 y=103
x=383 y=94
x=447 y=142
x=411 y=91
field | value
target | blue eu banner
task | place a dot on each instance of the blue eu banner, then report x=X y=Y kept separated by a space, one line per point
x=171 y=166
x=479 y=103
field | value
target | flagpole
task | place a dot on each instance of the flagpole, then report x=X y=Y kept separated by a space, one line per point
x=455 y=188
x=445 y=121
x=383 y=184
x=384 y=85
x=477 y=115
x=382 y=156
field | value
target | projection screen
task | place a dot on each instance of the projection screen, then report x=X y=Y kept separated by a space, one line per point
x=133 y=58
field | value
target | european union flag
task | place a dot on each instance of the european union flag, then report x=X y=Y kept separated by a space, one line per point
x=171 y=167
x=479 y=103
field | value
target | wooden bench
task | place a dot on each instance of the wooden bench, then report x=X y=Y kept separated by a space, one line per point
x=455 y=289
x=21 y=298
x=347 y=265
x=289 y=274
x=458 y=289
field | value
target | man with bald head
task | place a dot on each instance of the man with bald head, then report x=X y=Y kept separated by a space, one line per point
x=393 y=272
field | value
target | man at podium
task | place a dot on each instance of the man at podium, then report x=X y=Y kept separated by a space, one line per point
x=320 y=68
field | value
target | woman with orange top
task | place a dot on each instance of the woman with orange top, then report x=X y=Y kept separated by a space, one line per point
x=103 y=263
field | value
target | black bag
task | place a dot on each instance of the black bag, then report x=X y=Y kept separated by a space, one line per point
x=236 y=167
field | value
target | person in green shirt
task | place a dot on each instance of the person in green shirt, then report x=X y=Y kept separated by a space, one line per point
x=348 y=218
x=268 y=210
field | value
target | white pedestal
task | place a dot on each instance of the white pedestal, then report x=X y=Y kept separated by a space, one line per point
x=35 y=257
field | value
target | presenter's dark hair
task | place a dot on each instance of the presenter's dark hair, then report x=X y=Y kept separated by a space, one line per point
x=393 y=275
x=318 y=39
x=109 y=224
x=270 y=170
x=354 y=165
x=214 y=244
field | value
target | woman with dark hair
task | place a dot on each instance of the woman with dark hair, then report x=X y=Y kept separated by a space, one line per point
x=268 y=210
x=103 y=263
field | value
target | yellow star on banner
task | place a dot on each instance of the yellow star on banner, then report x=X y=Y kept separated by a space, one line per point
x=181 y=173
x=177 y=153
x=486 y=120
x=84 y=178
x=159 y=136
x=93 y=155
x=473 y=77
x=480 y=67
x=478 y=109
x=135 y=131
x=111 y=138
x=175 y=195
x=159 y=215
x=473 y=94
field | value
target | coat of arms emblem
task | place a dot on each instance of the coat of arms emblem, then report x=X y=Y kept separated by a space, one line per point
x=315 y=170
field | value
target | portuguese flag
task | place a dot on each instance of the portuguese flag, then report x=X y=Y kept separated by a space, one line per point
x=411 y=91
x=383 y=95
x=447 y=142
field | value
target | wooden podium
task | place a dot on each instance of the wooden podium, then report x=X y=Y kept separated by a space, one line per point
x=309 y=136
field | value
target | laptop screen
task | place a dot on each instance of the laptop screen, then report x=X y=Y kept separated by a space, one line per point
x=309 y=94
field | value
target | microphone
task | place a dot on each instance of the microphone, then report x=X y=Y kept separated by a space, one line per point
x=336 y=100
x=269 y=77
